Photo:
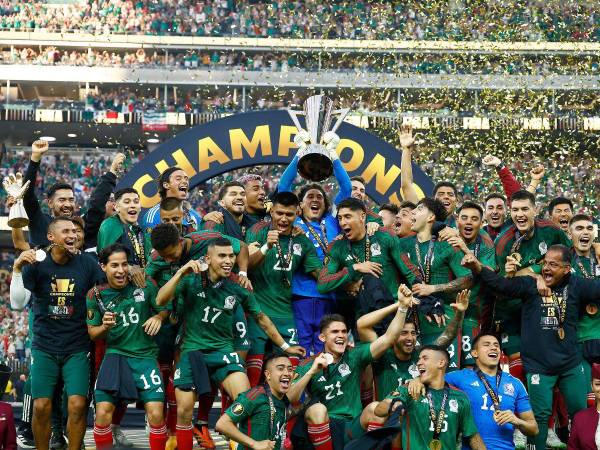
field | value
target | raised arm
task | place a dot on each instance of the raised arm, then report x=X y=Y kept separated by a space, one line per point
x=510 y=184
x=537 y=173
x=451 y=330
x=288 y=176
x=366 y=324
x=167 y=292
x=30 y=201
x=343 y=179
x=407 y=142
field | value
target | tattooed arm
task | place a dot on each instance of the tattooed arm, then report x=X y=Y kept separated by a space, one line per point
x=451 y=330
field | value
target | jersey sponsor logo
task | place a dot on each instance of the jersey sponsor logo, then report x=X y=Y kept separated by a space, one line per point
x=509 y=389
x=237 y=409
x=375 y=249
x=535 y=378
x=453 y=405
x=322 y=379
x=349 y=258
x=201 y=294
x=475 y=384
x=138 y=296
x=413 y=370
x=297 y=249
x=177 y=374
x=229 y=302
x=159 y=390
x=504 y=338
x=453 y=364
x=344 y=370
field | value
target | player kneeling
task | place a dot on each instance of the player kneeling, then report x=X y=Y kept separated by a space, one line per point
x=332 y=379
x=209 y=299
x=261 y=412
x=124 y=316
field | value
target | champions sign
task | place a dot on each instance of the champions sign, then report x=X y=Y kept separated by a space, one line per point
x=267 y=137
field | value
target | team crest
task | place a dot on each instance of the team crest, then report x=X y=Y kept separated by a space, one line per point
x=504 y=338
x=90 y=314
x=535 y=378
x=543 y=248
x=297 y=249
x=509 y=389
x=375 y=249
x=138 y=295
x=237 y=409
x=344 y=370
x=229 y=302
x=453 y=405
x=414 y=372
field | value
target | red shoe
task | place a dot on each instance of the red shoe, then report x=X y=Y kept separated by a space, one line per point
x=203 y=437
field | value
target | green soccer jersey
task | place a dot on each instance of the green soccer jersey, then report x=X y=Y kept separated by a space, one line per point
x=132 y=307
x=417 y=432
x=252 y=411
x=112 y=230
x=209 y=312
x=382 y=248
x=484 y=250
x=338 y=386
x=531 y=250
x=268 y=279
x=589 y=324
x=391 y=372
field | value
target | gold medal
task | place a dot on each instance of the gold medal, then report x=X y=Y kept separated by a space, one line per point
x=561 y=333
x=435 y=444
x=591 y=309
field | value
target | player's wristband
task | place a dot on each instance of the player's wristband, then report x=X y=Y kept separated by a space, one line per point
x=264 y=249
x=285 y=346
x=403 y=310
x=241 y=273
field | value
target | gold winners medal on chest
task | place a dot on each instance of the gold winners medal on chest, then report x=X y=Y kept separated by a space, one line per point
x=561 y=333
x=435 y=444
x=591 y=309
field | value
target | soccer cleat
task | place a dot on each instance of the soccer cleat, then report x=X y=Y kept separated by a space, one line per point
x=553 y=441
x=119 y=438
x=203 y=437
x=57 y=441
x=171 y=443
x=519 y=440
x=25 y=437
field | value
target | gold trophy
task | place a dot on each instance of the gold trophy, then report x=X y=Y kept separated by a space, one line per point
x=315 y=143
x=13 y=184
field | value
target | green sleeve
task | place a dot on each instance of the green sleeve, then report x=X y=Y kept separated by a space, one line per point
x=235 y=243
x=335 y=273
x=402 y=260
x=252 y=236
x=150 y=292
x=401 y=394
x=362 y=355
x=147 y=247
x=182 y=288
x=487 y=257
x=310 y=261
x=110 y=232
x=212 y=226
x=374 y=217
x=302 y=368
x=456 y=257
x=241 y=409
x=467 y=424
x=250 y=304
x=93 y=313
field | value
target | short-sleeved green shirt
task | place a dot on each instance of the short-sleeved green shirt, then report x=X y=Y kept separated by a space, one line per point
x=391 y=372
x=418 y=428
x=252 y=411
x=338 y=386
x=112 y=230
x=589 y=324
x=132 y=306
x=274 y=297
x=209 y=312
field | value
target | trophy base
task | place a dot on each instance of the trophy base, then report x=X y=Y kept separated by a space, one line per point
x=315 y=165
x=18 y=222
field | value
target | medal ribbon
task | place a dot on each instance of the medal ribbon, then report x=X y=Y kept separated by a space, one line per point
x=561 y=304
x=367 y=250
x=493 y=394
x=437 y=419
x=592 y=272
x=137 y=240
x=425 y=272
x=272 y=411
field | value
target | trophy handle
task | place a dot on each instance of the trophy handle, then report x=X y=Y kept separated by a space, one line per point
x=342 y=115
x=294 y=115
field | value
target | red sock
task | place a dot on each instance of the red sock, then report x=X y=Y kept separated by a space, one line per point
x=205 y=403
x=158 y=437
x=103 y=437
x=366 y=396
x=373 y=426
x=515 y=367
x=185 y=437
x=171 y=403
x=320 y=436
x=118 y=414
x=254 y=368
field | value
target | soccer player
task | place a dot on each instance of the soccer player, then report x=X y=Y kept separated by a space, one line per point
x=261 y=413
x=256 y=197
x=495 y=214
x=61 y=346
x=358 y=188
x=281 y=254
x=171 y=211
x=519 y=249
x=447 y=193
x=560 y=211
x=437 y=420
x=209 y=298
x=127 y=317
x=173 y=182
x=583 y=264
x=357 y=253
x=399 y=363
x=499 y=401
x=388 y=214
x=552 y=320
x=232 y=206
x=403 y=224
x=332 y=379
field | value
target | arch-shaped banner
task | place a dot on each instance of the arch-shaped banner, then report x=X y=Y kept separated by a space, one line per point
x=266 y=137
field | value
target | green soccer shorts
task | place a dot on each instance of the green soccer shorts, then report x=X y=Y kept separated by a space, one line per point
x=47 y=368
x=353 y=429
x=259 y=340
x=220 y=365
x=241 y=338
x=147 y=378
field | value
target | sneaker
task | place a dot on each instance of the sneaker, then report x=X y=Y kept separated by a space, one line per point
x=119 y=438
x=57 y=441
x=171 y=443
x=25 y=437
x=553 y=441
x=203 y=436
x=519 y=440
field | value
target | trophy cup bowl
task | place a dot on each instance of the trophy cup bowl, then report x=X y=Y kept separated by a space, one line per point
x=314 y=163
x=17 y=217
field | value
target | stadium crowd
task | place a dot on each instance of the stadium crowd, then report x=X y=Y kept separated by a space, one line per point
x=506 y=20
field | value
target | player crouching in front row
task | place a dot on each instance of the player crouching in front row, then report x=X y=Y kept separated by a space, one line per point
x=125 y=316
